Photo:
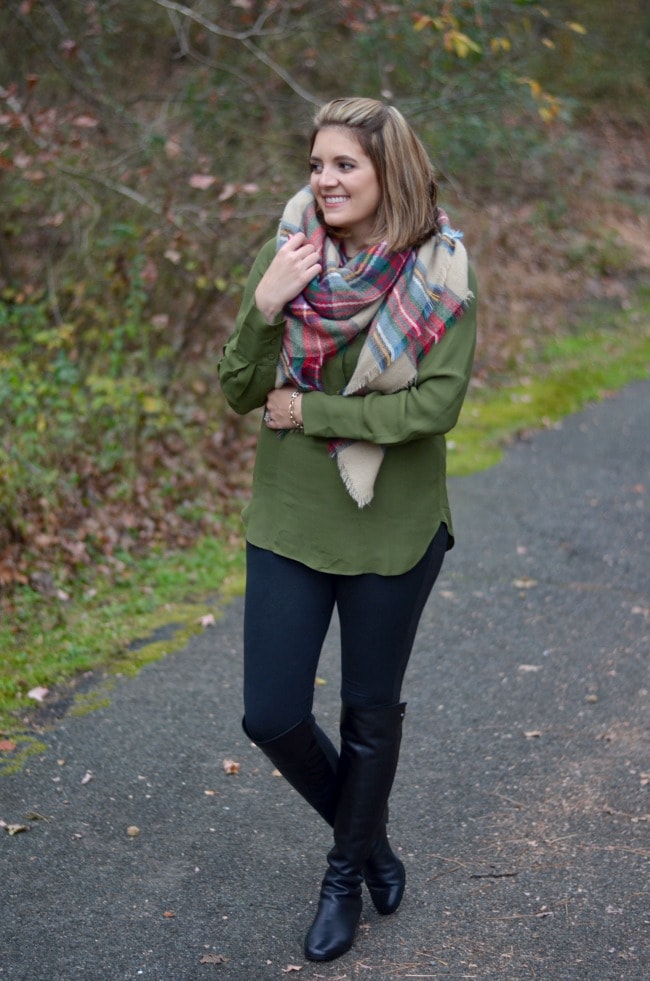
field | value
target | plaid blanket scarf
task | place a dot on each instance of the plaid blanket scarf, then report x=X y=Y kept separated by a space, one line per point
x=406 y=300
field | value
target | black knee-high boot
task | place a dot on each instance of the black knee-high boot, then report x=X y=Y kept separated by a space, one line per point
x=308 y=761
x=370 y=741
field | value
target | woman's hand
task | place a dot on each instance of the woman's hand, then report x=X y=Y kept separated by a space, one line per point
x=277 y=414
x=293 y=267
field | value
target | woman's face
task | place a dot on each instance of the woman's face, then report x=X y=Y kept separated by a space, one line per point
x=345 y=184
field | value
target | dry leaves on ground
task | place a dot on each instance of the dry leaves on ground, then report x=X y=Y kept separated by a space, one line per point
x=213 y=959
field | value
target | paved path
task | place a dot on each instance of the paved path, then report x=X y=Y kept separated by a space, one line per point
x=522 y=804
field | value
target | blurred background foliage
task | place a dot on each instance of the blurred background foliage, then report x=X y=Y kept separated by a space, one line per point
x=146 y=149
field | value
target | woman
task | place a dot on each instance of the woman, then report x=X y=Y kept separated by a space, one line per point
x=356 y=333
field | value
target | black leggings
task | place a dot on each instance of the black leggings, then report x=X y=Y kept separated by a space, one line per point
x=287 y=614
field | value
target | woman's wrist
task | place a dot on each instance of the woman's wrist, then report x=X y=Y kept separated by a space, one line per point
x=270 y=314
x=269 y=310
x=295 y=409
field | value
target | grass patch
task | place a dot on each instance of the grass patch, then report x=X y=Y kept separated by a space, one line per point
x=154 y=609
x=26 y=746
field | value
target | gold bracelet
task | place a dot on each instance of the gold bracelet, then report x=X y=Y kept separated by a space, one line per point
x=294 y=396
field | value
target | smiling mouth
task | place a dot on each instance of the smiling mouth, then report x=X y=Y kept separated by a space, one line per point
x=330 y=201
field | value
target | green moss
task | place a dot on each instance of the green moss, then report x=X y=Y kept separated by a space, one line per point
x=90 y=702
x=113 y=627
x=26 y=747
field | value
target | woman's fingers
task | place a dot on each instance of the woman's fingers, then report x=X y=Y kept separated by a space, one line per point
x=292 y=268
x=302 y=258
x=277 y=413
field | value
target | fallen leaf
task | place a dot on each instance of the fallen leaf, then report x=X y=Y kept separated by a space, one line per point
x=15 y=829
x=290 y=969
x=87 y=777
x=9 y=575
x=228 y=191
x=85 y=122
x=202 y=181
x=38 y=694
x=68 y=48
x=213 y=959
x=168 y=914
x=529 y=668
x=524 y=583
x=7 y=745
x=133 y=831
x=173 y=149
x=533 y=734
x=207 y=620
x=645 y=779
x=230 y=766
x=210 y=793
x=22 y=160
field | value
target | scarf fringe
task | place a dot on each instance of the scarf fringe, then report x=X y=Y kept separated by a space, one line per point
x=359 y=464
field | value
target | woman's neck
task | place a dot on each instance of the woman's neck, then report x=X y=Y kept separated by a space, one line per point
x=351 y=248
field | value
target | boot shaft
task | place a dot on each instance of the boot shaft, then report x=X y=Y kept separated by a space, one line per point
x=370 y=745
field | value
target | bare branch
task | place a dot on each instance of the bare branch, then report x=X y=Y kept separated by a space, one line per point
x=127 y=192
x=244 y=38
x=284 y=75
x=96 y=97
x=179 y=8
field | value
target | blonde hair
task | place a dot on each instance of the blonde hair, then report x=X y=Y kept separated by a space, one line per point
x=406 y=216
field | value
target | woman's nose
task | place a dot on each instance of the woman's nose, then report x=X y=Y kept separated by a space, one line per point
x=327 y=177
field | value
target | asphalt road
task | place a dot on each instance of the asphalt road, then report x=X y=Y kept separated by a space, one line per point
x=522 y=802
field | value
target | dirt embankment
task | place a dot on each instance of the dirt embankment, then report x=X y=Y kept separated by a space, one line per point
x=545 y=262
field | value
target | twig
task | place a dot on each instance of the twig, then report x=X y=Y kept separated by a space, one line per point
x=515 y=803
x=494 y=874
x=244 y=37
x=255 y=31
x=273 y=65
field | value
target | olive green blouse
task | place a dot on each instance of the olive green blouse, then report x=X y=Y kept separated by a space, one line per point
x=299 y=506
